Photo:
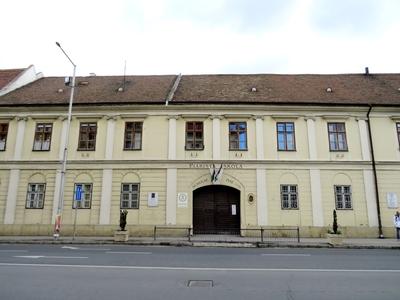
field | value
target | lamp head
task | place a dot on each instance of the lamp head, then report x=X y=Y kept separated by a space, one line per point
x=58 y=44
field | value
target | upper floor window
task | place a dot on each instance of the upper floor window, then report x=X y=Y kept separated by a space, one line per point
x=87 y=136
x=286 y=138
x=82 y=195
x=237 y=136
x=35 y=195
x=289 y=199
x=42 y=138
x=337 y=137
x=129 y=195
x=3 y=136
x=133 y=136
x=343 y=197
x=194 y=136
x=397 y=127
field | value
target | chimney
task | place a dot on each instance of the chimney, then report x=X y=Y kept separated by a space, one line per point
x=366 y=71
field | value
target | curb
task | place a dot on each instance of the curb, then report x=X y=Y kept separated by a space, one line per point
x=198 y=244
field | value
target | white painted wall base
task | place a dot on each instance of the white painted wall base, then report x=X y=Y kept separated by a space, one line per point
x=316 y=198
x=262 y=199
x=11 y=203
x=106 y=194
x=56 y=196
x=370 y=198
x=170 y=218
x=216 y=138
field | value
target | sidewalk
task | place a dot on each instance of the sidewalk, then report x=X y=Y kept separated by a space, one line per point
x=223 y=241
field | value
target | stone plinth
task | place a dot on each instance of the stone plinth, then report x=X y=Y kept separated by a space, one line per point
x=121 y=236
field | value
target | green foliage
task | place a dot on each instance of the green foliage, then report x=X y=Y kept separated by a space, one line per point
x=335 y=225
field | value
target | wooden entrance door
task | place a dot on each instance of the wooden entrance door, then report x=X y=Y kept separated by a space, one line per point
x=216 y=210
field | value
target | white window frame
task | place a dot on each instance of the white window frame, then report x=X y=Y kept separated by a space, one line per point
x=131 y=194
x=4 y=134
x=86 y=196
x=343 y=198
x=35 y=196
x=292 y=196
x=42 y=138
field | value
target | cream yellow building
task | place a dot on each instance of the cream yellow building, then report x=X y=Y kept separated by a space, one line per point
x=212 y=152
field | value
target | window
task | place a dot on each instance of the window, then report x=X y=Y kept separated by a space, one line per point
x=82 y=195
x=42 y=137
x=194 y=136
x=285 y=133
x=87 y=136
x=397 y=127
x=343 y=197
x=337 y=137
x=133 y=136
x=289 y=197
x=35 y=195
x=237 y=136
x=3 y=136
x=130 y=195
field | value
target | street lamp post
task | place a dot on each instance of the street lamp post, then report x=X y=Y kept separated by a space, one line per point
x=57 y=226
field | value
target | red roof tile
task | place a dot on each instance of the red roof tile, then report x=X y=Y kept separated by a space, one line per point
x=6 y=76
x=353 y=89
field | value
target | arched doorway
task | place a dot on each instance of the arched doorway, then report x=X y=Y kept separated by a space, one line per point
x=216 y=210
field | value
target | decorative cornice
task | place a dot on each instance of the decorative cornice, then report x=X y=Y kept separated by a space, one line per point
x=22 y=118
x=219 y=117
x=361 y=119
x=335 y=117
x=285 y=117
x=237 y=116
x=312 y=118
x=176 y=117
x=132 y=116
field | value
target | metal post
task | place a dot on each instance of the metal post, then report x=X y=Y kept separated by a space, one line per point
x=155 y=230
x=64 y=161
x=262 y=235
x=298 y=234
x=189 y=234
x=76 y=215
x=371 y=143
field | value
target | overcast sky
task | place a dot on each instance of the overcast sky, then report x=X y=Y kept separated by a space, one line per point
x=201 y=37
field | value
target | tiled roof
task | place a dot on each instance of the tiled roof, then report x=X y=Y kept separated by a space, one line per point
x=92 y=90
x=381 y=89
x=6 y=76
x=345 y=89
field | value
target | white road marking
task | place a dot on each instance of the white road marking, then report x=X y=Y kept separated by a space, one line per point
x=44 y=256
x=199 y=269
x=13 y=250
x=284 y=254
x=122 y=252
x=69 y=247
x=93 y=249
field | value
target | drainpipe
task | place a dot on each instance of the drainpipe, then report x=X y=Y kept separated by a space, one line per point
x=378 y=208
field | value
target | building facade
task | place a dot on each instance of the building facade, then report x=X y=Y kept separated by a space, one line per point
x=213 y=152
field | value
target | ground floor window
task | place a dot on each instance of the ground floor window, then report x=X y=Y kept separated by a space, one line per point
x=82 y=195
x=35 y=195
x=289 y=198
x=343 y=197
x=130 y=195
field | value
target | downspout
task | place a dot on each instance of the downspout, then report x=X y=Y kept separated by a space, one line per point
x=378 y=208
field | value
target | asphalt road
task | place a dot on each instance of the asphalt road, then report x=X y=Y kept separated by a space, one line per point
x=131 y=272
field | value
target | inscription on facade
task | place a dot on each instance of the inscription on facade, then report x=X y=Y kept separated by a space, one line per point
x=201 y=182
x=208 y=166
